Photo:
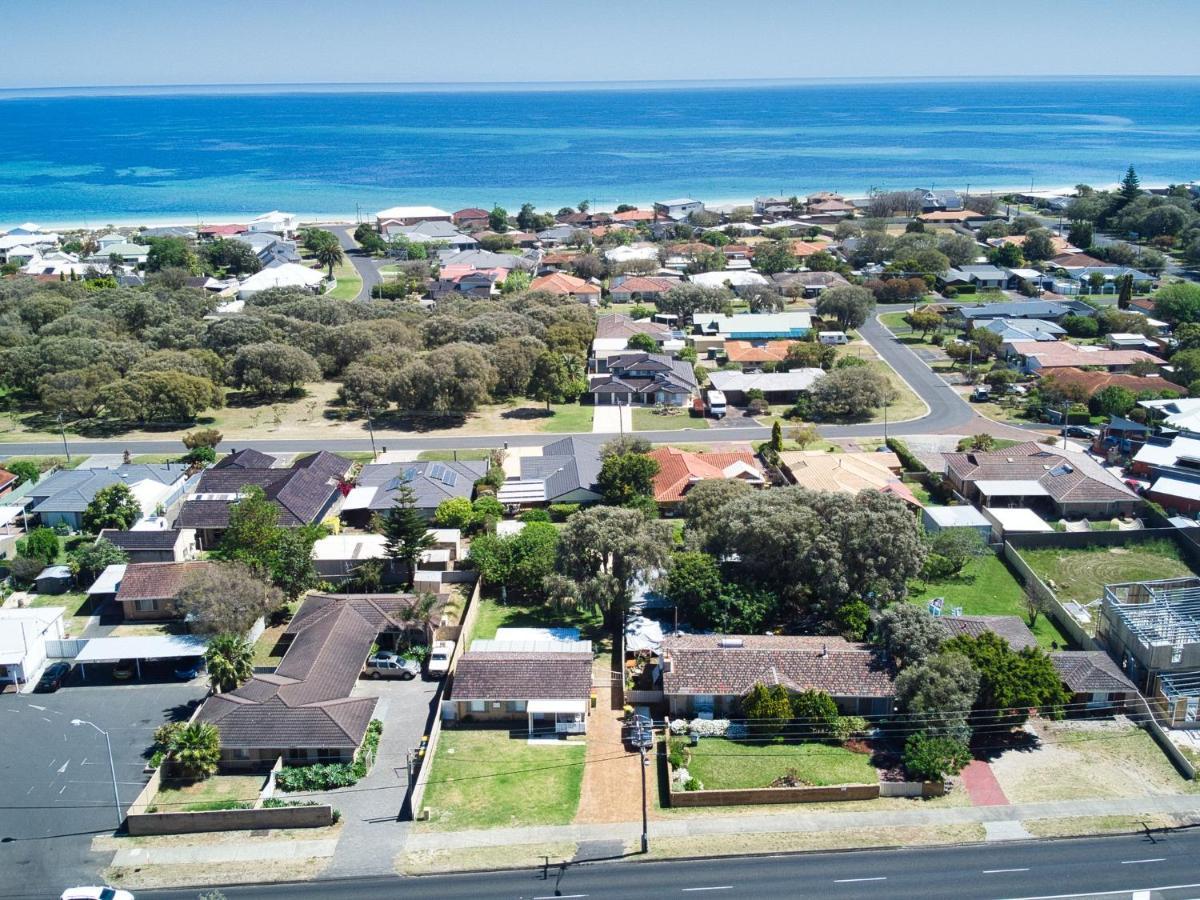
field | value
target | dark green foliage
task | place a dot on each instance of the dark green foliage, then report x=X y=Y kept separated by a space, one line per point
x=767 y=708
x=40 y=544
x=815 y=712
x=626 y=476
x=906 y=457
x=406 y=531
x=25 y=471
x=91 y=559
x=933 y=757
x=1012 y=683
x=112 y=507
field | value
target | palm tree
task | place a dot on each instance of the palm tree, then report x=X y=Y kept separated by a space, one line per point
x=196 y=749
x=330 y=254
x=230 y=662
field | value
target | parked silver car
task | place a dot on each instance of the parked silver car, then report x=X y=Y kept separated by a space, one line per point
x=392 y=666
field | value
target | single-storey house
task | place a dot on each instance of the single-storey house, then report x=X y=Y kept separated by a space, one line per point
x=23 y=637
x=1042 y=358
x=1091 y=382
x=1094 y=680
x=709 y=674
x=631 y=288
x=62 y=497
x=287 y=275
x=1026 y=330
x=777 y=387
x=678 y=470
x=650 y=378
x=430 y=232
x=807 y=284
x=153 y=545
x=849 y=473
x=731 y=278
x=1017 y=309
x=564 y=472
x=472 y=217
x=755 y=326
x=410 y=215
x=565 y=285
x=984 y=278
x=149 y=591
x=337 y=557
x=1011 y=628
x=379 y=485
x=619 y=327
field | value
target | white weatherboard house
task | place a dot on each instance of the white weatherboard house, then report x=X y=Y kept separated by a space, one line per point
x=23 y=637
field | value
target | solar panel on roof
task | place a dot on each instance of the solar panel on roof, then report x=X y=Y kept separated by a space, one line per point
x=449 y=477
x=436 y=471
x=409 y=474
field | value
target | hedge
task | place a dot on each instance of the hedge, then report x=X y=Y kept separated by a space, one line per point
x=910 y=462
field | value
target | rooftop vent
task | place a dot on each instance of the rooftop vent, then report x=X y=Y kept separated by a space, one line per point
x=729 y=642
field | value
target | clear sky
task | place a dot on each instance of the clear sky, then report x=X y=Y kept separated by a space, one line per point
x=135 y=42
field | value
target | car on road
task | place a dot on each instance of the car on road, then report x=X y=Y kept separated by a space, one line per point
x=52 y=679
x=392 y=666
x=96 y=893
x=637 y=733
x=1082 y=431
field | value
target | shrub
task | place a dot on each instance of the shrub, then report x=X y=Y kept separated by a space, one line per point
x=847 y=727
x=24 y=569
x=196 y=748
x=930 y=757
x=156 y=759
x=164 y=734
x=815 y=711
x=910 y=462
x=853 y=618
x=677 y=757
x=200 y=455
x=40 y=544
x=534 y=515
x=559 y=512
x=277 y=803
x=693 y=784
x=319 y=777
x=455 y=512
x=419 y=652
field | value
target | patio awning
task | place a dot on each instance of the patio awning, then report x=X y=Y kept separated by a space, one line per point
x=161 y=646
x=556 y=706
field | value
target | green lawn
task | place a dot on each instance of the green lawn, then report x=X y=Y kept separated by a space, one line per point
x=485 y=779
x=217 y=792
x=568 y=417
x=986 y=587
x=1081 y=575
x=492 y=615
x=348 y=282
x=74 y=602
x=647 y=419
x=451 y=455
x=156 y=458
x=720 y=763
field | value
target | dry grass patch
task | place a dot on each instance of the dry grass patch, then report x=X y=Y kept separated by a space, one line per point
x=793 y=841
x=509 y=856
x=955 y=799
x=205 y=874
x=1080 y=825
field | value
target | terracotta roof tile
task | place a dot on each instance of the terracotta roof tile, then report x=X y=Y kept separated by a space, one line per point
x=522 y=676
x=679 y=469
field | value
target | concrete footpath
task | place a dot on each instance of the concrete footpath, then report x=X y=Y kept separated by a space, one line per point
x=1172 y=804
x=213 y=854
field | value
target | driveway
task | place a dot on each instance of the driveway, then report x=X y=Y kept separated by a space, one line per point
x=373 y=832
x=366 y=266
x=612 y=419
x=57 y=786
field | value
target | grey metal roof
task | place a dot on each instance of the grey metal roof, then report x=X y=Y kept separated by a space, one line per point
x=430 y=482
x=566 y=465
x=71 y=490
x=1032 y=309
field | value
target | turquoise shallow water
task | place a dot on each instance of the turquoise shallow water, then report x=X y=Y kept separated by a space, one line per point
x=228 y=155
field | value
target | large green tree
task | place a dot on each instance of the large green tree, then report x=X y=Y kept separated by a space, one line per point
x=1012 y=683
x=848 y=304
x=406 y=531
x=625 y=477
x=230 y=661
x=112 y=507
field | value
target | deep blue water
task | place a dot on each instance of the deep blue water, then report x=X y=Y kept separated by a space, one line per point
x=228 y=155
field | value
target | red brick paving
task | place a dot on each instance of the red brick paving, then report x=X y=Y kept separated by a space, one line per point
x=982 y=786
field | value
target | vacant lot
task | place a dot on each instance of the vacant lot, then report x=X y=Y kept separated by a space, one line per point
x=487 y=779
x=1081 y=575
x=986 y=587
x=1087 y=760
x=720 y=764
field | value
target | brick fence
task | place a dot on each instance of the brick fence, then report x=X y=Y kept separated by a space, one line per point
x=755 y=796
x=229 y=820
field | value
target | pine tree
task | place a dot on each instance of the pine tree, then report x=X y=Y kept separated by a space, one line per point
x=1125 y=298
x=406 y=531
x=1131 y=186
x=777 y=437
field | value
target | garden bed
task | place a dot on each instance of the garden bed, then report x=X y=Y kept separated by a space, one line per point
x=213 y=793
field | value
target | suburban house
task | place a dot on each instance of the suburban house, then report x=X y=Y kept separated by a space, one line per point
x=305 y=492
x=565 y=472
x=471 y=218
x=649 y=378
x=153 y=544
x=933 y=200
x=1024 y=330
x=8 y=481
x=430 y=483
x=1182 y=414
x=23 y=636
x=631 y=288
x=1173 y=466
x=729 y=278
x=1043 y=358
x=1037 y=477
x=1093 y=679
x=678 y=470
x=467 y=280
x=613 y=332
x=983 y=278
x=752 y=354
x=287 y=275
x=485 y=259
x=755 y=326
x=539 y=677
x=1018 y=309
x=677 y=209
x=148 y=591
x=429 y=232
x=807 y=284
x=338 y=557
x=709 y=674
x=777 y=387
x=848 y=473
x=269 y=248
x=1091 y=382
x=1014 y=631
x=410 y=215
x=565 y=285
x=61 y=498
x=275 y=222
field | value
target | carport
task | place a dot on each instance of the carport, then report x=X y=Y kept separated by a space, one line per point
x=157 y=646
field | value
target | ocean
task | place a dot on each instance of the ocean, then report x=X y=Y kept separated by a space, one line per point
x=212 y=155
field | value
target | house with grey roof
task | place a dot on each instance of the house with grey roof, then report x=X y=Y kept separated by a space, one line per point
x=649 y=378
x=565 y=472
x=777 y=387
x=984 y=278
x=937 y=200
x=380 y=484
x=153 y=544
x=270 y=249
x=484 y=259
x=430 y=233
x=1022 y=329
x=1019 y=309
x=62 y=497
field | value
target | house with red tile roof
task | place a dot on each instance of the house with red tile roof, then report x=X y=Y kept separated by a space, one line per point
x=1090 y=382
x=211 y=232
x=1041 y=358
x=628 y=288
x=755 y=353
x=568 y=286
x=471 y=217
x=634 y=215
x=678 y=470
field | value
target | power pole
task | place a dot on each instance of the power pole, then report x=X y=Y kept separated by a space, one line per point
x=63 y=431
x=645 y=824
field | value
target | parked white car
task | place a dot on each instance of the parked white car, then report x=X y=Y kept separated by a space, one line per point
x=96 y=893
x=439 y=658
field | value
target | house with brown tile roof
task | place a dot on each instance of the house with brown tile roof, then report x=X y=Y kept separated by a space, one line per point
x=618 y=325
x=1011 y=628
x=1074 y=261
x=149 y=591
x=1090 y=382
x=565 y=285
x=634 y=216
x=628 y=288
x=711 y=673
x=1094 y=679
x=1041 y=358
x=755 y=353
x=678 y=470
x=1038 y=477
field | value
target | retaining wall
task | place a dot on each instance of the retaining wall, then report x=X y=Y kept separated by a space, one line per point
x=229 y=820
x=755 y=796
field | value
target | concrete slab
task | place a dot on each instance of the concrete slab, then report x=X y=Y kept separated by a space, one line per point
x=1007 y=830
x=200 y=854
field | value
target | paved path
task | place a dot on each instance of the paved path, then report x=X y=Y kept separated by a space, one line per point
x=981 y=784
x=767 y=823
x=611 y=791
x=612 y=419
x=366 y=266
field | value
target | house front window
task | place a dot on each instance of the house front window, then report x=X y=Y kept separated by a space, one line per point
x=145 y=605
x=516 y=706
x=478 y=706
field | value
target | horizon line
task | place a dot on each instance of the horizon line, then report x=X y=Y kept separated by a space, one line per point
x=534 y=86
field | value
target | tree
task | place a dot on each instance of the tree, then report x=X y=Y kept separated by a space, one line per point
x=815 y=711
x=1131 y=187
x=291 y=563
x=692 y=582
x=1035 y=604
x=939 y=691
x=498 y=219
x=908 y=634
x=626 y=476
x=549 y=381
x=1012 y=683
x=958 y=546
x=767 y=708
x=25 y=470
x=40 y=544
x=1112 y=401
x=1008 y=255
x=1125 y=297
x=924 y=321
x=604 y=551
x=960 y=249
x=235 y=257
x=253 y=531
x=169 y=253
x=272 y=369
x=330 y=255
x=1080 y=235
x=702 y=505
x=406 y=531
x=196 y=749
x=230 y=660
x=774 y=256
x=113 y=506
x=160 y=396
x=848 y=304
x=804 y=434
x=454 y=512
x=202 y=437
x=776 y=436
x=929 y=757
x=92 y=559
x=852 y=393
x=1038 y=246
x=642 y=342
x=225 y=597
x=1178 y=302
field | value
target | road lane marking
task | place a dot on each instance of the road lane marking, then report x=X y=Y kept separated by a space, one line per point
x=850 y=880
x=560 y=897
x=722 y=887
x=998 y=871
x=1134 y=862
x=1093 y=894
x=38 y=708
x=63 y=767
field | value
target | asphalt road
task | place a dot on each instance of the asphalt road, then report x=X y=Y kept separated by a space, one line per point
x=365 y=265
x=1115 y=866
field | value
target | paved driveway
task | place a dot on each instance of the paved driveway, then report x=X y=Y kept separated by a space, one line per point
x=55 y=777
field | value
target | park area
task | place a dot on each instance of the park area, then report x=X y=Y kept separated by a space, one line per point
x=1080 y=575
x=987 y=587
x=486 y=778
x=722 y=764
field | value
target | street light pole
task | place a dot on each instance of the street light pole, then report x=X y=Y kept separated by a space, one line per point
x=112 y=768
x=371 y=431
x=645 y=825
x=63 y=431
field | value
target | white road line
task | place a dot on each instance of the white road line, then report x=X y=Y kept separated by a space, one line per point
x=38 y=708
x=850 y=880
x=998 y=871
x=1134 y=862
x=1093 y=894
x=722 y=887
x=560 y=897
x=63 y=767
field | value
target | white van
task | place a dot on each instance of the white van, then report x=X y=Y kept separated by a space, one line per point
x=439 y=658
x=832 y=337
x=715 y=401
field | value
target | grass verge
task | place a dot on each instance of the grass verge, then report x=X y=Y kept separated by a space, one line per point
x=722 y=764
